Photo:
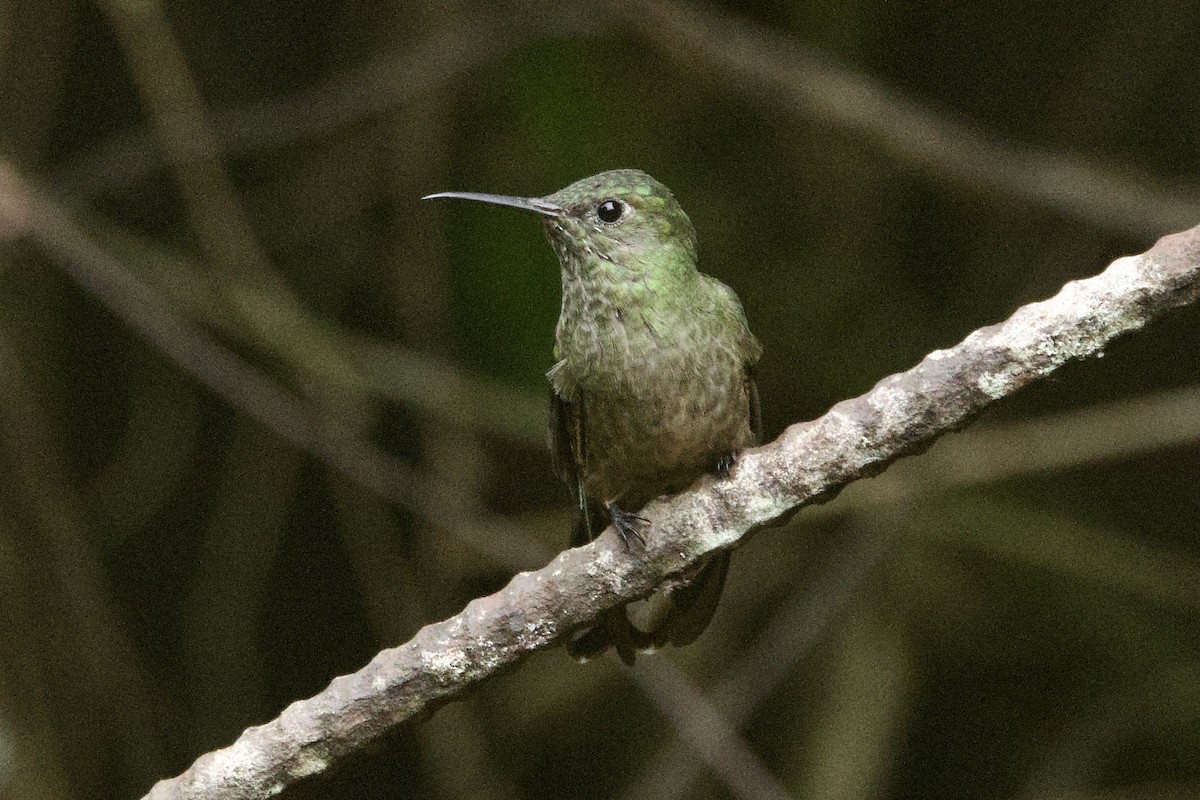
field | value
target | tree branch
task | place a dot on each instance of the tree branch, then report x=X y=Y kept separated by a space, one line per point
x=809 y=463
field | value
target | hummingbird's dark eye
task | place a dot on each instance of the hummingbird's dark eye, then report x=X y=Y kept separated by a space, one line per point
x=610 y=210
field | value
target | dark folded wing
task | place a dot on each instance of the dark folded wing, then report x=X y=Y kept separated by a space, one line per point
x=755 y=408
x=567 y=450
x=562 y=439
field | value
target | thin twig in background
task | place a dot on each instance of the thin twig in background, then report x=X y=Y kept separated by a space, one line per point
x=292 y=418
x=810 y=85
x=381 y=85
x=227 y=598
x=986 y=454
x=781 y=645
x=424 y=384
x=256 y=292
x=701 y=724
x=1161 y=703
x=809 y=463
x=106 y=661
x=214 y=210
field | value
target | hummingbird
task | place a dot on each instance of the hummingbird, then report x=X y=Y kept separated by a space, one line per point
x=652 y=384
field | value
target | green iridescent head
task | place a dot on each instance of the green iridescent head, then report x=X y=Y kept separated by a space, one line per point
x=621 y=215
x=622 y=212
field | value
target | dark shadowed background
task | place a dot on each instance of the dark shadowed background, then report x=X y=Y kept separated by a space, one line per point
x=263 y=412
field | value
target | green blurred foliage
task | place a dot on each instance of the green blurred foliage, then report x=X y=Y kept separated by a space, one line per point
x=172 y=570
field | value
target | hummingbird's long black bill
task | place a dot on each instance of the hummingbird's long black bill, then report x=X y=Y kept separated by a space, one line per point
x=534 y=204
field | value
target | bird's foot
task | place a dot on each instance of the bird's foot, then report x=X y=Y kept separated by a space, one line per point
x=725 y=464
x=627 y=524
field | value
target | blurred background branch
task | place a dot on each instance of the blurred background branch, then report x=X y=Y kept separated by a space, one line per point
x=288 y=415
x=751 y=58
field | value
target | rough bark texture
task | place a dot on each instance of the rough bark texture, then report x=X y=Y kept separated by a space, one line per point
x=811 y=461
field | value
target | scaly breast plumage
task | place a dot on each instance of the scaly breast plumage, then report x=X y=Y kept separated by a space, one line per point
x=658 y=411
